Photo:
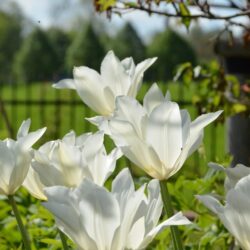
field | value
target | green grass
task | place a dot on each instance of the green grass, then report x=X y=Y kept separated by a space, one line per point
x=60 y=119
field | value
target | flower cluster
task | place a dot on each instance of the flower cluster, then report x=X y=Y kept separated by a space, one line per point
x=70 y=174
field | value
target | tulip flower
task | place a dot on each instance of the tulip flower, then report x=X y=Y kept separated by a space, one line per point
x=97 y=219
x=66 y=162
x=158 y=136
x=233 y=174
x=235 y=214
x=15 y=158
x=98 y=91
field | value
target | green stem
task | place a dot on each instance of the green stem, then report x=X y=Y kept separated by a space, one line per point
x=170 y=212
x=63 y=240
x=22 y=229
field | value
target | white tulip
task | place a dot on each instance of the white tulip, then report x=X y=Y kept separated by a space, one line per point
x=233 y=174
x=97 y=219
x=66 y=162
x=158 y=136
x=15 y=158
x=235 y=215
x=99 y=91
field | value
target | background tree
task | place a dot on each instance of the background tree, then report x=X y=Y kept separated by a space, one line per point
x=60 y=42
x=86 y=49
x=36 y=60
x=127 y=43
x=171 y=50
x=10 y=40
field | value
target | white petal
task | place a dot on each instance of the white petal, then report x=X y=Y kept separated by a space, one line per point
x=130 y=110
x=139 y=72
x=65 y=84
x=33 y=184
x=24 y=129
x=153 y=98
x=236 y=212
x=135 y=149
x=129 y=66
x=90 y=87
x=177 y=219
x=154 y=205
x=101 y=122
x=195 y=136
x=92 y=145
x=211 y=203
x=123 y=186
x=70 y=138
x=64 y=204
x=136 y=234
x=27 y=141
x=100 y=213
x=164 y=132
x=7 y=166
x=202 y=121
x=22 y=165
x=114 y=74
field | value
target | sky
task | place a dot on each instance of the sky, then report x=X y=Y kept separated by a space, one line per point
x=45 y=14
x=41 y=12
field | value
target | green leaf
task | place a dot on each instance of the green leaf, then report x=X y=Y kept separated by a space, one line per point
x=238 y=108
x=184 y=11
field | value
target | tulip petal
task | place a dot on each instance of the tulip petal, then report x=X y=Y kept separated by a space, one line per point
x=164 y=132
x=113 y=73
x=139 y=72
x=24 y=129
x=65 y=84
x=134 y=148
x=100 y=213
x=130 y=110
x=90 y=87
x=33 y=184
x=153 y=98
x=7 y=164
x=210 y=202
x=64 y=204
x=27 y=141
x=177 y=219
x=129 y=66
x=101 y=122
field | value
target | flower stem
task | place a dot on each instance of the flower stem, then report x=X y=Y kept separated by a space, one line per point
x=170 y=212
x=63 y=240
x=22 y=229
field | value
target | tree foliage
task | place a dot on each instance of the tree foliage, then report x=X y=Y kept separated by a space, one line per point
x=86 y=49
x=60 y=42
x=36 y=60
x=128 y=43
x=10 y=40
x=171 y=50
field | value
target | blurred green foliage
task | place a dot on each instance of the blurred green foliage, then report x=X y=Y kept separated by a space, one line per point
x=128 y=43
x=10 y=40
x=37 y=59
x=171 y=50
x=86 y=49
x=216 y=89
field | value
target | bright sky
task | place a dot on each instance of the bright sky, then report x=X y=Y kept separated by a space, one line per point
x=40 y=12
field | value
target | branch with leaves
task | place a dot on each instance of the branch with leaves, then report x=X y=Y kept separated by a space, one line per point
x=186 y=10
